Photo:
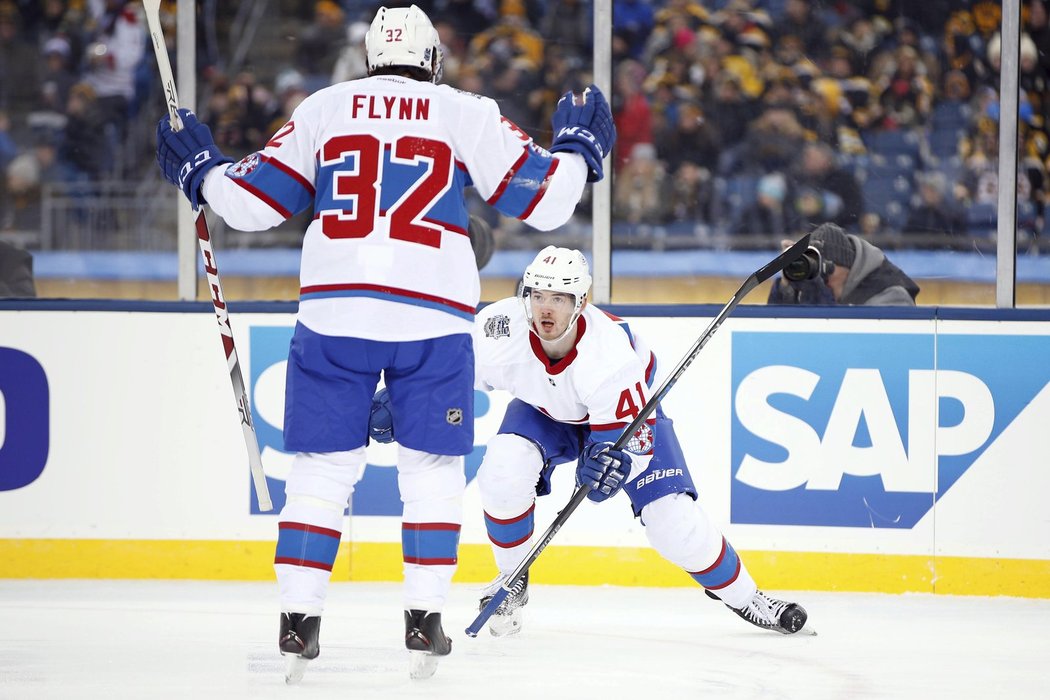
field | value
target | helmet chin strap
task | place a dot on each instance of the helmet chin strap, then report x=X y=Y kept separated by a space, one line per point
x=437 y=66
x=568 y=327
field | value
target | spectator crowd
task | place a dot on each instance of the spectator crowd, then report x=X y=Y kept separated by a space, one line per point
x=772 y=117
x=739 y=117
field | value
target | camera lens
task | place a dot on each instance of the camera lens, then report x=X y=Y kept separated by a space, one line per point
x=805 y=267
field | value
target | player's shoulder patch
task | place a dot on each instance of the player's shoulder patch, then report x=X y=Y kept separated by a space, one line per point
x=497 y=326
x=244 y=166
x=641 y=442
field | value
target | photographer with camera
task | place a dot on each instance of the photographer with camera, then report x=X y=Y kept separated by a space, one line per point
x=841 y=268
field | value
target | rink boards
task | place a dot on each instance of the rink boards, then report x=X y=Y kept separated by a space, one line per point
x=837 y=453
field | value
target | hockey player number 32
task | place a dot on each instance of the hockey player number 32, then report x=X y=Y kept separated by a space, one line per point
x=362 y=184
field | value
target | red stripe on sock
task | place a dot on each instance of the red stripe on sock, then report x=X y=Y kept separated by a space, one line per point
x=721 y=556
x=303 y=562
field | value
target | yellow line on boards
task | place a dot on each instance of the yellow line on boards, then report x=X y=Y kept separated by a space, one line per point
x=627 y=566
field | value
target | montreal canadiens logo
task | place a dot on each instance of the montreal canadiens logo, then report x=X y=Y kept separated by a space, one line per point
x=245 y=165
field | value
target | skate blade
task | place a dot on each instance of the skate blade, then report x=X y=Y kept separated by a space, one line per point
x=296 y=669
x=505 y=625
x=422 y=664
x=805 y=631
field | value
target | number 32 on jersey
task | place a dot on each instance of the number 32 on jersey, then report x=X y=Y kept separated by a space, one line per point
x=355 y=165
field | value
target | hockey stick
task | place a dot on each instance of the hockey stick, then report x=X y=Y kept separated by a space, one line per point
x=756 y=278
x=211 y=269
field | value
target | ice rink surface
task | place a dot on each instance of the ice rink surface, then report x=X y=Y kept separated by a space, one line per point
x=185 y=639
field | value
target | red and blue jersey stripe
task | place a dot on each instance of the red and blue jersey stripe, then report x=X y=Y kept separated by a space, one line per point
x=524 y=185
x=271 y=181
x=388 y=293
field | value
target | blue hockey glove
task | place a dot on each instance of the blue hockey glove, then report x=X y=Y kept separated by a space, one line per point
x=186 y=156
x=380 y=419
x=603 y=468
x=587 y=129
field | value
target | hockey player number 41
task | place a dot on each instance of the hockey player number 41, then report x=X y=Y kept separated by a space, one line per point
x=626 y=407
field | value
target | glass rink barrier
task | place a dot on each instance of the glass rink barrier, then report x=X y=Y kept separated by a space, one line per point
x=741 y=125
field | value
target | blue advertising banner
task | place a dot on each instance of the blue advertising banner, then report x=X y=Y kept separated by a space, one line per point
x=24 y=419
x=868 y=430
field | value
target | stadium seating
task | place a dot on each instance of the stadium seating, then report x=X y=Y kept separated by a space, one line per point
x=887 y=186
x=893 y=143
x=982 y=220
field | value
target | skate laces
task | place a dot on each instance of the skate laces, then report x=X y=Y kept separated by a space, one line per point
x=517 y=596
x=765 y=610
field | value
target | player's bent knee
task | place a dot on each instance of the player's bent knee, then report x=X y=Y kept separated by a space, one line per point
x=510 y=468
x=678 y=529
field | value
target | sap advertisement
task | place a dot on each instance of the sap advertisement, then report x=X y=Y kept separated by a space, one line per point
x=869 y=431
x=24 y=427
x=903 y=437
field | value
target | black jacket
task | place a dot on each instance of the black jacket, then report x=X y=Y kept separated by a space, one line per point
x=16 y=272
x=872 y=281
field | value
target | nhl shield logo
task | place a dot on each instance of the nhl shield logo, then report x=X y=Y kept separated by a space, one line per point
x=454 y=416
x=498 y=327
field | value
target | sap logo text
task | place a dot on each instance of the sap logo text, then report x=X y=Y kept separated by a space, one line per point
x=657 y=474
x=868 y=430
x=24 y=419
x=819 y=463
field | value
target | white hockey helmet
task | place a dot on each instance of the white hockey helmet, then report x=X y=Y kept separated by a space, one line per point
x=403 y=36
x=562 y=270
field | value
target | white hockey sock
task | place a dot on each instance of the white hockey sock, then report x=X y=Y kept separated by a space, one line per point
x=432 y=491
x=318 y=490
x=507 y=479
x=679 y=529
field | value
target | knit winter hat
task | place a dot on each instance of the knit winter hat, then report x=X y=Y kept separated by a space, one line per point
x=834 y=245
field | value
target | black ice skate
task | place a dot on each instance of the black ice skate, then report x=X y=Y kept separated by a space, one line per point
x=772 y=614
x=426 y=642
x=299 y=637
x=509 y=615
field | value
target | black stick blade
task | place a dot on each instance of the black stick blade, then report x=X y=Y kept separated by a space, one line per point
x=783 y=260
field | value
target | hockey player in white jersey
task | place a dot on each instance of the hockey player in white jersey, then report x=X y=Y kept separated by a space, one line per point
x=389 y=286
x=579 y=377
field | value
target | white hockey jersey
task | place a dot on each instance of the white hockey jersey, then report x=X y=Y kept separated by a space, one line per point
x=383 y=162
x=603 y=382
